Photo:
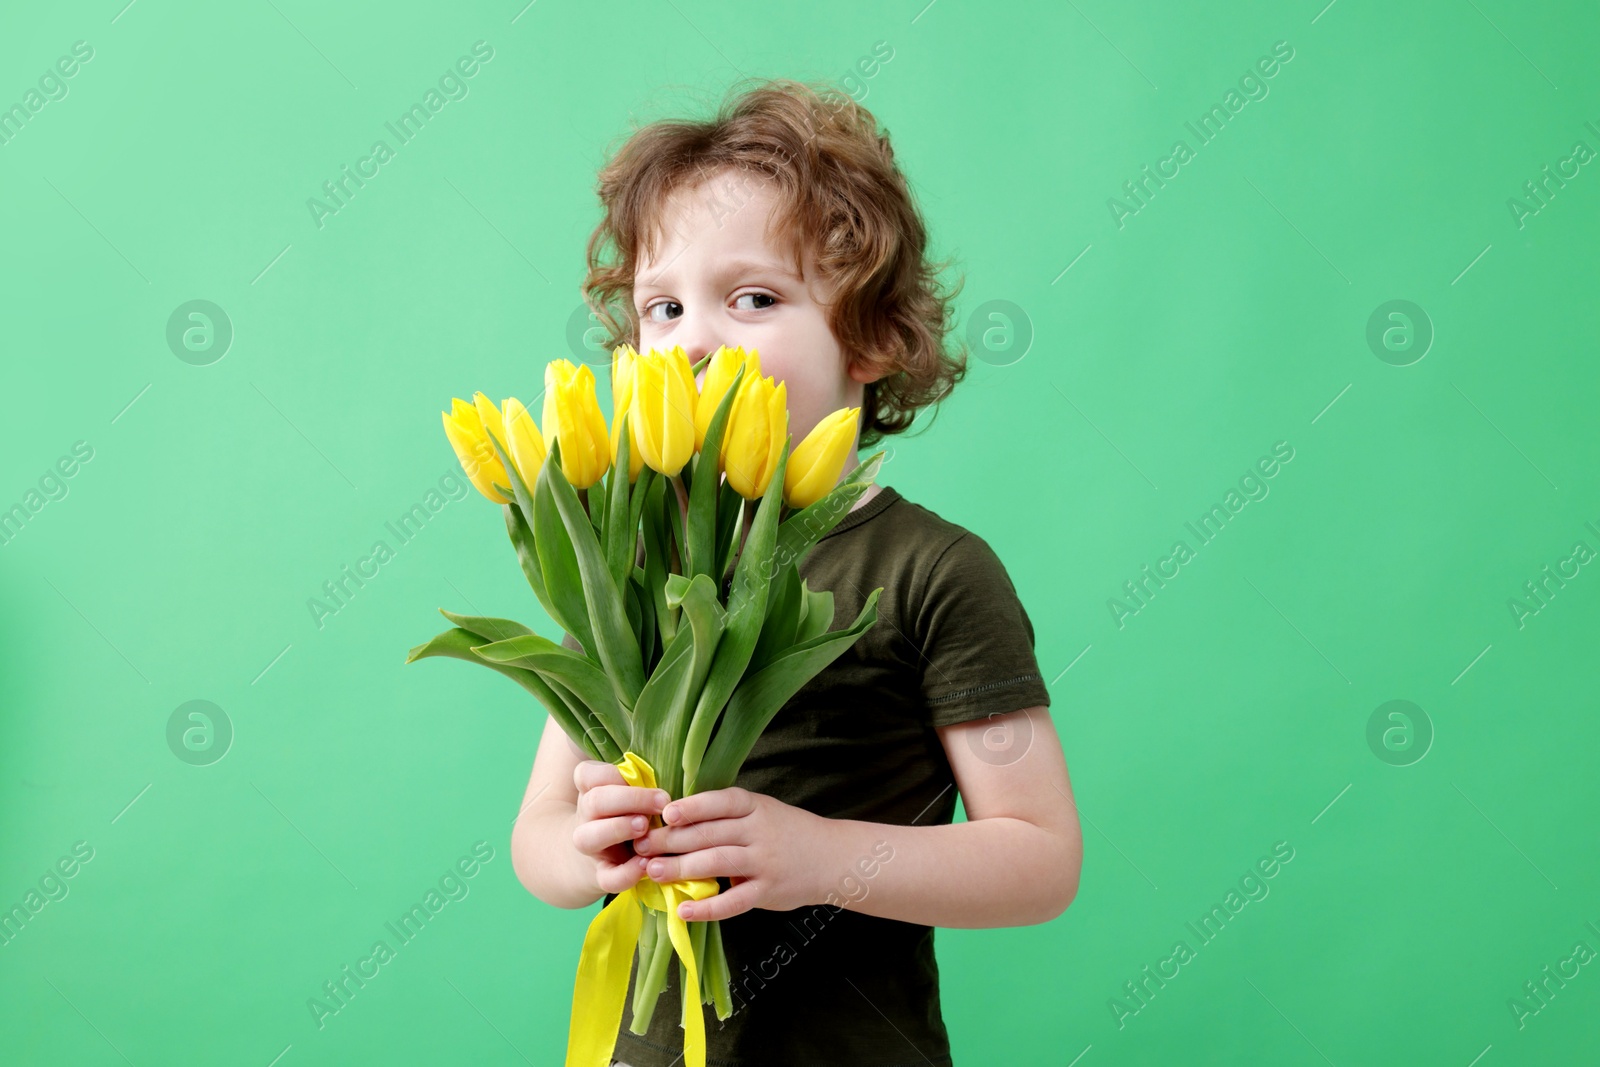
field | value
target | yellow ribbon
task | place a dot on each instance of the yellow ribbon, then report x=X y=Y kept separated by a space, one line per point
x=608 y=950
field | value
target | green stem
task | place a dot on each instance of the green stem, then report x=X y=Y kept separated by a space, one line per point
x=647 y=952
x=649 y=990
x=717 y=970
x=679 y=524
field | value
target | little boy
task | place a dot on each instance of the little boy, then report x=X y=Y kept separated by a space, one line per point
x=783 y=225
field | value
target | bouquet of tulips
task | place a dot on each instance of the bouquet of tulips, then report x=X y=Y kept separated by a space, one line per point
x=692 y=636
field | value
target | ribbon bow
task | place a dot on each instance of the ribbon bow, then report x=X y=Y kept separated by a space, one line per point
x=608 y=949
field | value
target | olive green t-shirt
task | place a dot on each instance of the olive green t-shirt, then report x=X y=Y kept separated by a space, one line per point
x=827 y=985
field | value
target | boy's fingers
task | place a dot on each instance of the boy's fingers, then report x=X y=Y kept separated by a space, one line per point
x=724 y=905
x=692 y=836
x=596 y=835
x=615 y=877
x=592 y=772
x=720 y=862
x=606 y=800
x=730 y=803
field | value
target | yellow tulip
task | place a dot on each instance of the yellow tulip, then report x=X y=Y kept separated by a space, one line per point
x=572 y=416
x=725 y=363
x=623 y=359
x=662 y=409
x=816 y=463
x=758 y=426
x=463 y=425
x=523 y=441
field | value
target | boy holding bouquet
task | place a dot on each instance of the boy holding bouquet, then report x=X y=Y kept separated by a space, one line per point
x=783 y=226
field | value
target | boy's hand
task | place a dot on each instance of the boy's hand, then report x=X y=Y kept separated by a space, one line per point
x=611 y=814
x=771 y=851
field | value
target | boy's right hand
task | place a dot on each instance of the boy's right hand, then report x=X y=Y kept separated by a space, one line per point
x=611 y=815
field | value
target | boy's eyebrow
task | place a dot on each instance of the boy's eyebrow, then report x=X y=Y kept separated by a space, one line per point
x=746 y=266
x=731 y=267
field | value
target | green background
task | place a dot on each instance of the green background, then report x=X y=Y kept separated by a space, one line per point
x=1113 y=403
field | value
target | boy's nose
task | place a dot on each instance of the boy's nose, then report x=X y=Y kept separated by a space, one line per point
x=698 y=338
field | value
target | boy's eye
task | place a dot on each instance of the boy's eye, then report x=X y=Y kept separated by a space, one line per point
x=754 y=296
x=650 y=312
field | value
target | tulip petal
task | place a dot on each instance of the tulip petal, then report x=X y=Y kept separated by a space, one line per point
x=463 y=427
x=817 y=462
x=523 y=440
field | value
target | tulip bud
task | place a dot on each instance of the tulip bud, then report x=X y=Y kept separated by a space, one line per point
x=758 y=426
x=725 y=363
x=463 y=427
x=572 y=416
x=523 y=440
x=663 y=407
x=816 y=462
x=623 y=359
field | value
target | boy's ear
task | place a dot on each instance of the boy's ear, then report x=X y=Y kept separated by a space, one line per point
x=864 y=371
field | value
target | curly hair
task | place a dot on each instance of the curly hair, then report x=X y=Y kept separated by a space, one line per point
x=840 y=197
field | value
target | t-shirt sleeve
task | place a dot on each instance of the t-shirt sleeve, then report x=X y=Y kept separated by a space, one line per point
x=976 y=638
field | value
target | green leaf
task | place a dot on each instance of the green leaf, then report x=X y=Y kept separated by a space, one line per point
x=703 y=504
x=730 y=516
x=521 y=535
x=702 y=606
x=804 y=529
x=594 y=501
x=637 y=495
x=621 y=542
x=640 y=590
x=761 y=695
x=685 y=664
x=653 y=713
x=558 y=560
x=619 y=650
x=585 y=732
x=677 y=586
x=747 y=610
x=674 y=519
x=603 y=741
x=657 y=562
x=784 y=607
x=816 y=613
x=483 y=626
x=521 y=524
x=577 y=673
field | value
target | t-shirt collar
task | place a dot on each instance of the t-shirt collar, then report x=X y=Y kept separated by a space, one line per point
x=886 y=496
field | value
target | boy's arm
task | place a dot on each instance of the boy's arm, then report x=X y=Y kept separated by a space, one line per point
x=543 y=855
x=1015 y=862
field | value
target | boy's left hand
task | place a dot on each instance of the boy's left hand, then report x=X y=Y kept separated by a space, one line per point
x=771 y=851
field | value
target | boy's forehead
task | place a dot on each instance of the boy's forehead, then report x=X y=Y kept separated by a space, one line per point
x=718 y=223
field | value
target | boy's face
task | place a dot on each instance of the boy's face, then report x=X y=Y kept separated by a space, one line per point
x=717 y=279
